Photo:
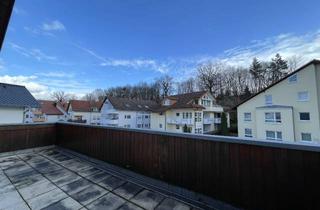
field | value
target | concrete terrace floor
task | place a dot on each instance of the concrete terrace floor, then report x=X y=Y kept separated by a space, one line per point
x=55 y=179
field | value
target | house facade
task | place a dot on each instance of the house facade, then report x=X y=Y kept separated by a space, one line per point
x=288 y=110
x=15 y=104
x=194 y=112
x=84 y=111
x=128 y=113
x=49 y=111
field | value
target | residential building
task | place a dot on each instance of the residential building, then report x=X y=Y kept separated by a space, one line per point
x=84 y=111
x=288 y=110
x=16 y=103
x=194 y=112
x=49 y=111
x=128 y=113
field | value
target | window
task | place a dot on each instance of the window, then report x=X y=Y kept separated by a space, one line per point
x=293 y=78
x=139 y=126
x=268 y=99
x=303 y=96
x=177 y=127
x=160 y=125
x=147 y=125
x=177 y=114
x=247 y=116
x=304 y=116
x=127 y=117
x=205 y=102
x=198 y=116
x=273 y=135
x=146 y=117
x=198 y=130
x=248 y=132
x=306 y=136
x=127 y=126
x=272 y=117
x=186 y=115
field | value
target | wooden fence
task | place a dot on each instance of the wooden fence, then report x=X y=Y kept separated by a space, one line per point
x=17 y=137
x=247 y=174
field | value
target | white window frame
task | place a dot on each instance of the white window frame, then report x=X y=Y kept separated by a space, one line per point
x=247 y=119
x=304 y=113
x=248 y=134
x=305 y=133
x=274 y=117
x=293 y=79
x=276 y=135
x=268 y=99
x=303 y=99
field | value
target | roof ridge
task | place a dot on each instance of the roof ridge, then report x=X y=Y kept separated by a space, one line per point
x=2 y=83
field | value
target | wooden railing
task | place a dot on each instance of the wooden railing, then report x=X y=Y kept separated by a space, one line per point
x=26 y=136
x=246 y=174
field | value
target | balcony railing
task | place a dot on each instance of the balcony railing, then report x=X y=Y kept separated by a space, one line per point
x=247 y=174
x=180 y=121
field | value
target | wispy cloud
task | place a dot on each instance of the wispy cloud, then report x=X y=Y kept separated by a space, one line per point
x=19 y=11
x=55 y=74
x=55 y=25
x=38 y=31
x=32 y=53
x=137 y=63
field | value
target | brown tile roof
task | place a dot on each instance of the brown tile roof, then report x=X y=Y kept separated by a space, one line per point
x=183 y=101
x=49 y=107
x=132 y=104
x=84 y=106
x=315 y=61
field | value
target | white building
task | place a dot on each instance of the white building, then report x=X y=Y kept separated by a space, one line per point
x=84 y=111
x=288 y=110
x=194 y=112
x=128 y=113
x=15 y=103
x=49 y=111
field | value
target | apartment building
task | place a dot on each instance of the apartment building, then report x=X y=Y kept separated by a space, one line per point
x=288 y=110
x=128 y=113
x=84 y=111
x=194 y=112
x=49 y=111
x=16 y=103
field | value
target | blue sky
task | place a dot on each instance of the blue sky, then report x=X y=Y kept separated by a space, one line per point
x=77 y=46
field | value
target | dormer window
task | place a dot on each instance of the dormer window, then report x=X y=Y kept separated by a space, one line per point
x=166 y=102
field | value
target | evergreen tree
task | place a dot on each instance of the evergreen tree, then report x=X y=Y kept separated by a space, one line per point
x=224 y=124
x=278 y=68
x=257 y=72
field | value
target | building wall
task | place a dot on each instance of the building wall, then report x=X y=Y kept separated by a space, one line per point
x=11 y=115
x=156 y=120
x=286 y=94
x=54 y=118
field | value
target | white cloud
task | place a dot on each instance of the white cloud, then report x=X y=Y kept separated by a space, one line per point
x=55 y=74
x=38 y=31
x=19 y=11
x=33 y=53
x=53 y=26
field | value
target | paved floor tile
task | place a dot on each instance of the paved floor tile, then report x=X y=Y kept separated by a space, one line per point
x=98 y=177
x=76 y=165
x=89 y=171
x=128 y=190
x=8 y=161
x=129 y=206
x=65 y=204
x=169 y=203
x=109 y=201
x=17 y=206
x=36 y=189
x=62 y=177
x=46 y=199
x=76 y=186
x=17 y=168
x=9 y=199
x=111 y=182
x=89 y=194
x=147 y=199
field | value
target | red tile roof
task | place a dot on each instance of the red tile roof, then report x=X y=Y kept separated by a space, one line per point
x=49 y=107
x=84 y=106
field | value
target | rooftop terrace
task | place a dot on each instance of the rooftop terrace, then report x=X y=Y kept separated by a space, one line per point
x=73 y=166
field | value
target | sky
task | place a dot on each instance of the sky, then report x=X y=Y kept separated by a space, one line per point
x=78 y=46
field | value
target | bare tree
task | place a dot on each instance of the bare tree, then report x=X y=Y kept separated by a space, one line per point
x=60 y=96
x=294 y=62
x=210 y=77
x=187 y=86
x=165 y=84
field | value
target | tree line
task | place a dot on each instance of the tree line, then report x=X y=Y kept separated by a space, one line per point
x=228 y=84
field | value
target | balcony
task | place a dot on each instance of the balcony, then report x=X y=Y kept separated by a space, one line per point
x=207 y=121
x=180 y=121
x=114 y=121
x=68 y=165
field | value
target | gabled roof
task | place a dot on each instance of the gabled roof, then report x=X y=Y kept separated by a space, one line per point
x=84 y=106
x=49 y=107
x=6 y=7
x=315 y=61
x=132 y=104
x=16 y=96
x=183 y=101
